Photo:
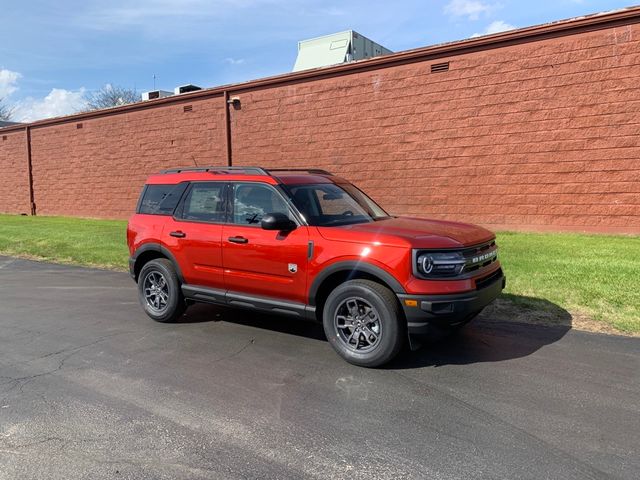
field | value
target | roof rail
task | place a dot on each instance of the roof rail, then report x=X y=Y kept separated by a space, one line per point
x=223 y=169
x=317 y=171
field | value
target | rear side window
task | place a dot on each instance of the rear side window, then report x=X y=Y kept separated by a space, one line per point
x=205 y=202
x=161 y=199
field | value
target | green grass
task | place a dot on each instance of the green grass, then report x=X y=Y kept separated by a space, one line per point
x=99 y=243
x=594 y=275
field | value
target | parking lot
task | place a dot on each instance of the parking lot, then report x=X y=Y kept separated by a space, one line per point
x=91 y=388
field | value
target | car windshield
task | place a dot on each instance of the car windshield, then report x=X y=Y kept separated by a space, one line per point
x=330 y=204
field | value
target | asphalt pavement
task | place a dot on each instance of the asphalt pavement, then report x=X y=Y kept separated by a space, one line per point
x=92 y=388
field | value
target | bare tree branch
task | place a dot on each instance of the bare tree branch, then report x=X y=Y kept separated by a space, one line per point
x=110 y=96
x=6 y=112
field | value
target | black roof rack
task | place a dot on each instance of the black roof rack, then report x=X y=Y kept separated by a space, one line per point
x=317 y=171
x=246 y=170
x=223 y=169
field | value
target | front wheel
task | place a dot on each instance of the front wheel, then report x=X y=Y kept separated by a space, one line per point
x=159 y=291
x=362 y=321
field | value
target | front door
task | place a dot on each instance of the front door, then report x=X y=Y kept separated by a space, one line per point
x=263 y=262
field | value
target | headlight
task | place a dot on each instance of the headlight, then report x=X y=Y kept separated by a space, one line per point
x=463 y=263
x=439 y=264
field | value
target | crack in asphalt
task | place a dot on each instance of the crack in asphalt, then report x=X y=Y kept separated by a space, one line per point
x=15 y=449
x=34 y=443
x=67 y=349
x=22 y=382
x=234 y=354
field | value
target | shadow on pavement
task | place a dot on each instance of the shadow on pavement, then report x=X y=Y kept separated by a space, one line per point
x=206 y=313
x=512 y=327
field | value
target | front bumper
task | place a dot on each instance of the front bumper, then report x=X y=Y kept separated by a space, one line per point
x=448 y=310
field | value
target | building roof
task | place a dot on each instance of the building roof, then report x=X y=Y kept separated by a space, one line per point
x=7 y=124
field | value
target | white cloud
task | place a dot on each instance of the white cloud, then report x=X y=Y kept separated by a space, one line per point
x=333 y=11
x=121 y=13
x=472 y=9
x=234 y=61
x=495 y=27
x=8 y=82
x=59 y=102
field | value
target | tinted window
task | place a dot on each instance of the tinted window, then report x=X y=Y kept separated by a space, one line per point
x=252 y=201
x=161 y=199
x=205 y=202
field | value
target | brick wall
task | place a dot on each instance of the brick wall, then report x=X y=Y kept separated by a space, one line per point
x=98 y=170
x=14 y=173
x=539 y=135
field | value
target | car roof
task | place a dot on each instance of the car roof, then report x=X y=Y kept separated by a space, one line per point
x=246 y=174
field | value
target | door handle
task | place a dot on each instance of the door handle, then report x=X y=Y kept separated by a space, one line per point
x=178 y=234
x=238 y=240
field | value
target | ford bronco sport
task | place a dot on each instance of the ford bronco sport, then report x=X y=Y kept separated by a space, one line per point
x=311 y=245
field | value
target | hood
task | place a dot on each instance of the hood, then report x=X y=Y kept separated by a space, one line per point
x=417 y=232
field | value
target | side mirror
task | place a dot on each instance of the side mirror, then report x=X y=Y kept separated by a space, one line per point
x=277 y=221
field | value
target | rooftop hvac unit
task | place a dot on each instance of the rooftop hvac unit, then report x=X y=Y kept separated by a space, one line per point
x=154 y=94
x=337 y=48
x=186 y=89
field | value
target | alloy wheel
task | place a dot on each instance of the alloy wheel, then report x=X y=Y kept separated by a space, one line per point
x=156 y=291
x=358 y=324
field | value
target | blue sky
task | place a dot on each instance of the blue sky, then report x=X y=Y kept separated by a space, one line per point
x=52 y=52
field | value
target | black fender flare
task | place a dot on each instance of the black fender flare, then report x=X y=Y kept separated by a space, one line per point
x=353 y=266
x=154 y=247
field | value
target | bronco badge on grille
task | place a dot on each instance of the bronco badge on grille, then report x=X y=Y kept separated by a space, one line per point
x=485 y=256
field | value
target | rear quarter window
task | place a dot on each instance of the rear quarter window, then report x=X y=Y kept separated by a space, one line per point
x=160 y=199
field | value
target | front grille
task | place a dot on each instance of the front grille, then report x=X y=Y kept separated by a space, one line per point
x=479 y=257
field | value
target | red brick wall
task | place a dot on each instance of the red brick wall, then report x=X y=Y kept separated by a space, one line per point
x=99 y=170
x=540 y=135
x=14 y=173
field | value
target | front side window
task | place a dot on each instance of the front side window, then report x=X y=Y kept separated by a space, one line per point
x=330 y=204
x=252 y=201
x=205 y=202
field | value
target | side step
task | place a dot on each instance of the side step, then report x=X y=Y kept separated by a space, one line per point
x=252 y=302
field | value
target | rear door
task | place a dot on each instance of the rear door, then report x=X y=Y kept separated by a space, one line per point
x=194 y=234
x=263 y=262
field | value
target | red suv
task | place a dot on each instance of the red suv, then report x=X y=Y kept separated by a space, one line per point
x=310 y=245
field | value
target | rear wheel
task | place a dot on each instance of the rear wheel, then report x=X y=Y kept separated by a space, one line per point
x=362 y=321
x=159 y=291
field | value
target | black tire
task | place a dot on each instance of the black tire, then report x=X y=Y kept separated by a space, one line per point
x=174 y=305
x=364 y=297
